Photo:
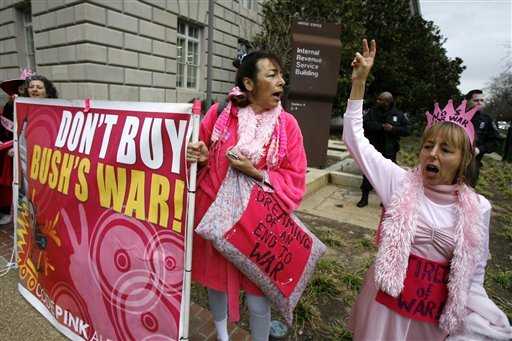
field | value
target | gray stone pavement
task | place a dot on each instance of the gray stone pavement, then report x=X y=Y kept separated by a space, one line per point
x=334 y=191
x=338 y=202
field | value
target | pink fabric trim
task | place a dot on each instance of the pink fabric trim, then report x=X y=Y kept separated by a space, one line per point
x=233 y=283
x=468 y=250
x=255 y=131
x=398 y=230
x=221 y=124
x=222 y=121
x=235 y=92
x=379 y=228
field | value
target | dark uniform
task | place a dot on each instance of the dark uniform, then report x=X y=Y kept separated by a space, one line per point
x=487 y=140
x=386 y=142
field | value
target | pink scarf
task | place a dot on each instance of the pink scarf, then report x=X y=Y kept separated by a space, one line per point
x=255 y=131
x=397 y=234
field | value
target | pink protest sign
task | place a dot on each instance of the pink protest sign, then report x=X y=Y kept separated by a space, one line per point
x=425 y=291
x=270 y=238
x=101 y=216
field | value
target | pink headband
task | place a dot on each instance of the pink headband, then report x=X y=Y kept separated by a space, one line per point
x=235 y=92
x=26 y=73
x=458 y=116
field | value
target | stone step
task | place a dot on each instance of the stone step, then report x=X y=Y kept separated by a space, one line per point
x=340 y=154
x=336 y=145
x=339 y=203
x=316 y=179
x=345 y=179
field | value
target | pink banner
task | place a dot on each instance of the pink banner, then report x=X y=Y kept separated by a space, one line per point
x=101 y=216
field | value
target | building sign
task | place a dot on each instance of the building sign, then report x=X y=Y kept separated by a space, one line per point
x=313 y=83
x=308 y=62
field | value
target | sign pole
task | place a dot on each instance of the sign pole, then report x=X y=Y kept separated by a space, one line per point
x=15 y=186
x=189 y=232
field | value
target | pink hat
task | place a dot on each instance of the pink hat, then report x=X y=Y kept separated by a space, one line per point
x=458 y=116
x=11 y=86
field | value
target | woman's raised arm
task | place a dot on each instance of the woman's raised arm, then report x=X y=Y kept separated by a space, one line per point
x=380 y=171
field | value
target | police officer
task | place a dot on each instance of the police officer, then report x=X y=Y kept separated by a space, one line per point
x=383 y=126
x=486 y=132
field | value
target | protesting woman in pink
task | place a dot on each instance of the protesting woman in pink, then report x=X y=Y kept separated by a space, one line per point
x=427 y=280
x=254 y=135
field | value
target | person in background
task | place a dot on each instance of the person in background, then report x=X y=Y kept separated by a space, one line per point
x=29 y=85
x=433 y=244
x=255 y=136
x=40 y=87
x=487 y=136
x=12 y=88
x=383 y=125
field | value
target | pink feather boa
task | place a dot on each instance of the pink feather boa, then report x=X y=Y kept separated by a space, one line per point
x=397 y=234
x=270 y=130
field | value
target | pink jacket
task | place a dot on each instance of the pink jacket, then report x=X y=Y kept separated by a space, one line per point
x=288 y=179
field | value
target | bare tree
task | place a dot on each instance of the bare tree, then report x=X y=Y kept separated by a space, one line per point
x=500 y=101
x=500 y=105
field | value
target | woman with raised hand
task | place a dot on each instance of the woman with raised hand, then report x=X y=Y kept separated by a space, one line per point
x=255 y=136
x=427 y=279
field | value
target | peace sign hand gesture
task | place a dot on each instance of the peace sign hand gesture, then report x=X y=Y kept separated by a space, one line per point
x=362 y=64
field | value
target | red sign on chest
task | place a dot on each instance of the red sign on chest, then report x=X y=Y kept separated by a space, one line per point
x=424 y=293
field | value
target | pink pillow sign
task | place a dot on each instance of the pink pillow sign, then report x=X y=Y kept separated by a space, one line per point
x=269 y=237
x=248 y=225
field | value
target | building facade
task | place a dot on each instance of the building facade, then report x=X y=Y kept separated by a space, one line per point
x=127 y=50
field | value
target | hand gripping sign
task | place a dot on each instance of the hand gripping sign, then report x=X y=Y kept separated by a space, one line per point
x=248 y=225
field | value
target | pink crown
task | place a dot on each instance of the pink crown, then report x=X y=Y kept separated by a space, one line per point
x=458 y=116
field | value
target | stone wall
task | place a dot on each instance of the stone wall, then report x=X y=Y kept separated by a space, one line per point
x=123 y=49
x=9 y=67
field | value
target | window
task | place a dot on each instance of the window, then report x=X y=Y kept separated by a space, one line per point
x=26 y=39
x=188 y=56
x=250 y=4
